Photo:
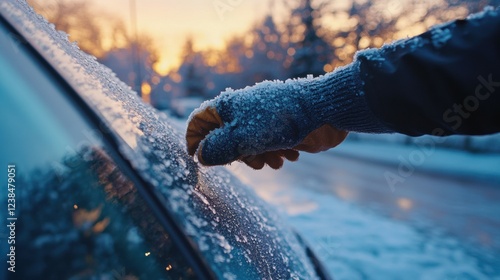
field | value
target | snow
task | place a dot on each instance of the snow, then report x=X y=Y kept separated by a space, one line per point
x=426 y=228
x=383 y=249
x=449 y=162
x=206 y=203
x=370 y=54
x=441 y=35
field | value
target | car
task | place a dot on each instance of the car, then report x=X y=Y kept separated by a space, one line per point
x=98 y=185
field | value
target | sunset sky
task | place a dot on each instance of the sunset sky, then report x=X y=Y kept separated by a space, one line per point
x=211 y=23
x=172 y=21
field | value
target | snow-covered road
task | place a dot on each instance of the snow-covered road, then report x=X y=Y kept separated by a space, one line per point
x=429 y=226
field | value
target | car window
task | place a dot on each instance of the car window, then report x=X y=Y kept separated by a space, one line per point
x=70 y=211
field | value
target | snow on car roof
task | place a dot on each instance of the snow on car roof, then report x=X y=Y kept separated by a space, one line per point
x=235 y=231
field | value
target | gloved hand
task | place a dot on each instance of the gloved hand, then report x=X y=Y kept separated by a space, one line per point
x=274 y=120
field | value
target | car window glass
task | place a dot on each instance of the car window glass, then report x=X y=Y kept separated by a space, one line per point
x=71 y=213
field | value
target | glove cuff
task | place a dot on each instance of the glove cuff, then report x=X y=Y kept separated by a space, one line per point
x=338 y=99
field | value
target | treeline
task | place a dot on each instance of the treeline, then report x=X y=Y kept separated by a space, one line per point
x=316 y=37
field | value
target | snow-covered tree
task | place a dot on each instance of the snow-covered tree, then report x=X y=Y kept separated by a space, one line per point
x=193 y=71
x=122 y=61
x=77 y=18
x=265 y=50
x=311 y=51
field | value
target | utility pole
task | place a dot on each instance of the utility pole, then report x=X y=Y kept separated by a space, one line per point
x=136 y=58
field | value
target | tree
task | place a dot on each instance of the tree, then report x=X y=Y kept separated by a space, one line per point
x=121 y=61
x=192 y=71
x=130 y=58
x=78 y=19
x=311 y=51
x=370 y=24
x=265 y=57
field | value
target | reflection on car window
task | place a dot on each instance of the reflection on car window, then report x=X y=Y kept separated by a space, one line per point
x=77 y=214
x=90 y=221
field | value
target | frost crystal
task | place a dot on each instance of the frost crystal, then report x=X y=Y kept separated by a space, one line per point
x=487 y=11
x=441 y=35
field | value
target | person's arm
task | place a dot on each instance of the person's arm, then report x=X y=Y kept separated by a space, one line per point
x=409 y=86
x=444 y=81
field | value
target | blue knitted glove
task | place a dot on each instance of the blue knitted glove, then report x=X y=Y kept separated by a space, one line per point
x=274 y=120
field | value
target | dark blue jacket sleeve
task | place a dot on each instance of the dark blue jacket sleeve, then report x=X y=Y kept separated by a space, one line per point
x=445 y=81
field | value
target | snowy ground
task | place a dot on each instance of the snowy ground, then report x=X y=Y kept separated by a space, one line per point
x=439 y=221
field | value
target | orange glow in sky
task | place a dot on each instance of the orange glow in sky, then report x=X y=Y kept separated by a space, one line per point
x=210 y=23
x=170 y=22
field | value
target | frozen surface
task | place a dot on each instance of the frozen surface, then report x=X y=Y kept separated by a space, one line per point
x=235 y=231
